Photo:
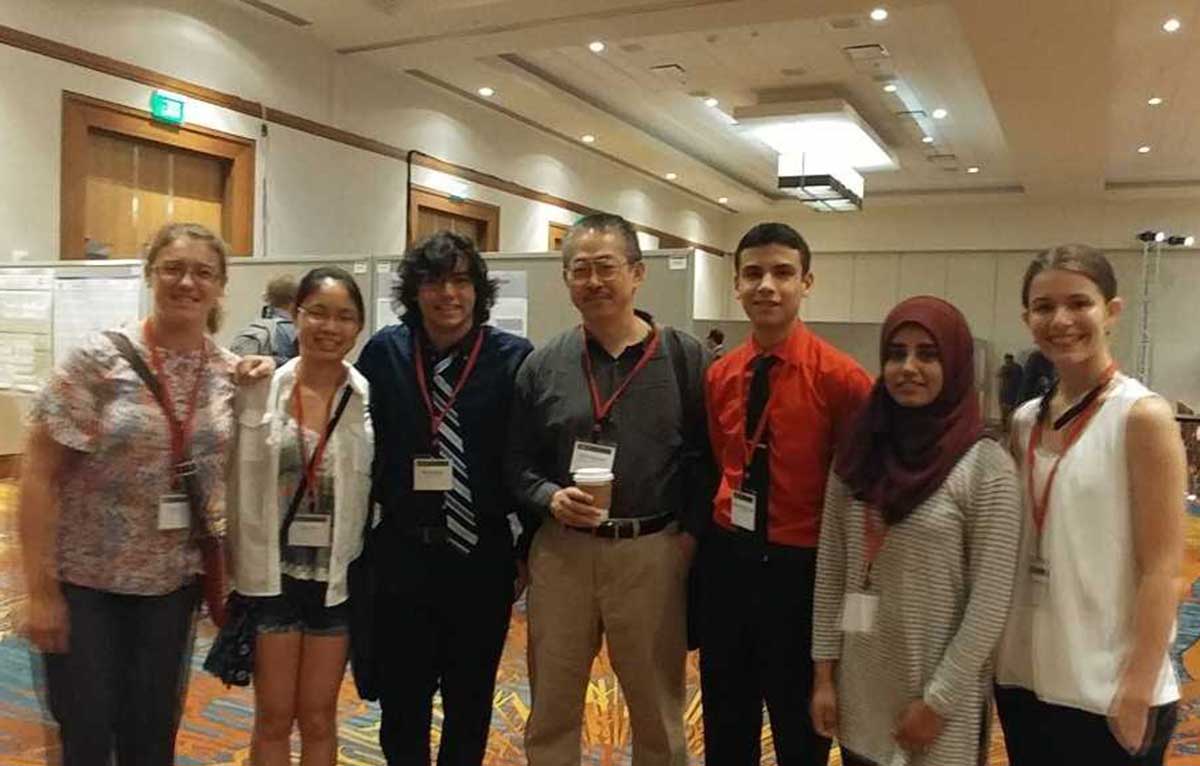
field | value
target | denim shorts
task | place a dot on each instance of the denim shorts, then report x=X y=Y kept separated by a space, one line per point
x=301 y=608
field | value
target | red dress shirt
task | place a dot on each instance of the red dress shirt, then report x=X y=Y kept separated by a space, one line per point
x=815 y=392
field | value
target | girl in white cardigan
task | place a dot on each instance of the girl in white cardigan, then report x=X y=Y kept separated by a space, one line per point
x=297 y=505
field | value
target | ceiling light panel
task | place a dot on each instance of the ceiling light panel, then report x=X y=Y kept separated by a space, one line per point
x=831 y=129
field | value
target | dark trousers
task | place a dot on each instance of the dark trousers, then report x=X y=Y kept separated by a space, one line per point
x=120 y=686
x=445 y=621
x=756 y=645
x=1037 y=733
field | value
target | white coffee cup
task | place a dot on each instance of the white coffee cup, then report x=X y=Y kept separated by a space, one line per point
x=597 y=482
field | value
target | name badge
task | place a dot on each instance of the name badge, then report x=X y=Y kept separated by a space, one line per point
x=1039 y=579
x=858 y=613
x=593 y=455
x=432 y=474
x=743 y=509
x=310 y=530
x=174 y=512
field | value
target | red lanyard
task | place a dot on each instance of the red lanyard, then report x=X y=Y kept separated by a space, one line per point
x=435 y=417
x=181 y=432
x=600 y=410
x=760 y=428
x=311 y=466
x=1041 y=502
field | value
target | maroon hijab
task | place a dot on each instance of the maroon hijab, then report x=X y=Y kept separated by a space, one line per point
x=895 y=457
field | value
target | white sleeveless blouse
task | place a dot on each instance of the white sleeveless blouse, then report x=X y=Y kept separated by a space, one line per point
x=1069 y=649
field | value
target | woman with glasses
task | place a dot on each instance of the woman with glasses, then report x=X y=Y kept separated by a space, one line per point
x=916 y=560
x=297 y=506
x=113 y=501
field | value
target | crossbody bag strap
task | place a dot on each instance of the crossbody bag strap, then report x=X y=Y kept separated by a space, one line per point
x=294 y=506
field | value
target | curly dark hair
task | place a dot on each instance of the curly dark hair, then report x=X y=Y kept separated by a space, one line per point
x=435 y=257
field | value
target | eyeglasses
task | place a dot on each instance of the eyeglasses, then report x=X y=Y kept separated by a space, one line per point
x=174 y=271
x=606 y=270
x=319 y=315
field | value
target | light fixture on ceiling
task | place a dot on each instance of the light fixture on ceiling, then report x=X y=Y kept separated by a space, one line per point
x=711 y=101
x=973 y=169
x=596 y=46
x=1143 y=149
x=940 y=114
x=820 y=185
x=927 y=140
x=1178 y=241
x=879 y=14
x=1146 y=236
x=1171 y=25
x=486 y=92
x=1154 y=101
x=588 y=138
x=722 y=200
x=830 y=129
x=890 y=88
x=671 y=176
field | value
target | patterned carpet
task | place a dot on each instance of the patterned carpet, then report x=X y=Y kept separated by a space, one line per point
x=217 y=720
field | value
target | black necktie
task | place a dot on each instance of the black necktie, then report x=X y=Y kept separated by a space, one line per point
x=758 y=476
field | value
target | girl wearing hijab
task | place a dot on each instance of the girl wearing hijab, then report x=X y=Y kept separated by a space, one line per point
x=1083 y=671
x=917 y=556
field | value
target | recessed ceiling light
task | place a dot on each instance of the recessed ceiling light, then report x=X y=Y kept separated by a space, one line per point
x=973 y=169
x=588 y=138
x=722 y=200
x=1160 y=236
x=1143 y=149
x=890 y=88
x=1171 y=25
x=671 y=176
x=710 y=101
x=596 y=46
x=1154 y=101
x=879 y=14
x=486 y=92
x=1189 y=240
x=940 y=114
x=927 y=140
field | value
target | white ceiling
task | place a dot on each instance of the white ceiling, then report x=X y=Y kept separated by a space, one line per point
x=1046 y=97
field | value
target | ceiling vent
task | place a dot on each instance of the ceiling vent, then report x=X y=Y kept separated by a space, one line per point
x=279 y=13
x=793 y=71
x=671 y=72
x=844 y=24
x=871 y=52
x=944 y=161
x=633 y=48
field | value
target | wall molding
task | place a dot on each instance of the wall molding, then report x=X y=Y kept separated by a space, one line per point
x=26 y=41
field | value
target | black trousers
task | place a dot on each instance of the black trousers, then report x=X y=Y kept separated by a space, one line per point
x=446 y=618
x=1037 y=733
x=120 y=686
x=755 y=646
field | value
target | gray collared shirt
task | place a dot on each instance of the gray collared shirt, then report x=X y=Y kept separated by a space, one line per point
x=663 y=462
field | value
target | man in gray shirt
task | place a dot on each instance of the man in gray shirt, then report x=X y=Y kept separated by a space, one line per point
x=623 y=394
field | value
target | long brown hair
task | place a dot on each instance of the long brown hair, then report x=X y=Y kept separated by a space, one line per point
x=171 y=233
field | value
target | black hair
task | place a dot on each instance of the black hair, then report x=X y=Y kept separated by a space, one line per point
x=716 y=334
x=1081 y=259
x=436 y=257
x=311 y=282
x=602 y=222
x=772 y=233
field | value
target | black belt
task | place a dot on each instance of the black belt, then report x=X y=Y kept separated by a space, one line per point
x=628 y=529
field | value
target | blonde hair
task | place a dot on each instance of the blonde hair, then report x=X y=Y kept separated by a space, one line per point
x=173 y=232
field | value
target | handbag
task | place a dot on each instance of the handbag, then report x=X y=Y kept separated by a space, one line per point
x=231 y=656
x=214 y=580
x=362 y=578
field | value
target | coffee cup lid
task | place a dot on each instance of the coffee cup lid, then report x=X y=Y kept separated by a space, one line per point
x=587 y=475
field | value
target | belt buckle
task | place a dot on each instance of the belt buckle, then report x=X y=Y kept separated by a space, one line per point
x=608 y=528
x=636 y=524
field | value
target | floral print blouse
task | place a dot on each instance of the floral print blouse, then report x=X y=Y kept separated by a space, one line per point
x=96 y=405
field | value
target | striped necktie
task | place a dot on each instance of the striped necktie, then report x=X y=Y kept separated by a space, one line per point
x=461 y=530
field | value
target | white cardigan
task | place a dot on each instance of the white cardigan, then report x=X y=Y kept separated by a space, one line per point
x=252 y=501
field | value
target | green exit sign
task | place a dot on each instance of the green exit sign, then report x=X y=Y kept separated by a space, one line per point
x=164 y=108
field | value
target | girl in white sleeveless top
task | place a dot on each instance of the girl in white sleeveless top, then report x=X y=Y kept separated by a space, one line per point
x=1083 y=674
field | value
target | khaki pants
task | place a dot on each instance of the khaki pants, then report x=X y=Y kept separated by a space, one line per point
x=632 y=591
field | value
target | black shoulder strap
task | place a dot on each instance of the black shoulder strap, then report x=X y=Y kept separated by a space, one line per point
x=294 y=506
x=125 y=347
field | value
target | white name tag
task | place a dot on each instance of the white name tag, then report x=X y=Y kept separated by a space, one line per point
x=432 y=474
x=593 y=455
x=743 y=509
x=174 y=512
x=310 y=530
x=858 y=613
